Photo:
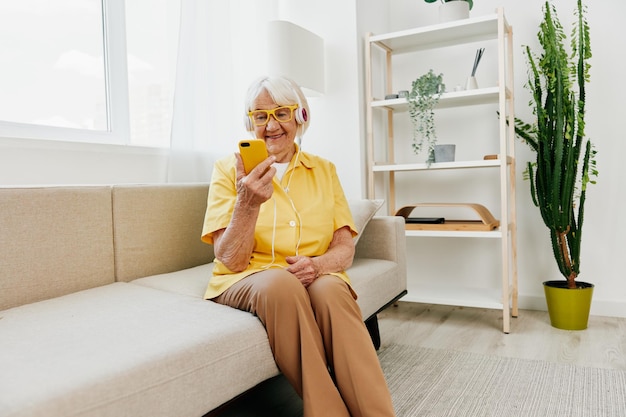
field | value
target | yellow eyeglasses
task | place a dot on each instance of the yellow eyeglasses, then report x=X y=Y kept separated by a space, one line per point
x=282 y=114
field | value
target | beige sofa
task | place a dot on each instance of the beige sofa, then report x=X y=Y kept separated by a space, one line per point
x=101 y=309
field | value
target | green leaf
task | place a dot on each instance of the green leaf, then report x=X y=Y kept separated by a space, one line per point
x=422 y=99
x=565 y=158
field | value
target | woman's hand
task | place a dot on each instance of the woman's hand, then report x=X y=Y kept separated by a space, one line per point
x=234 y=244
x=337 y=258
x=303 y=268
x=255 y=188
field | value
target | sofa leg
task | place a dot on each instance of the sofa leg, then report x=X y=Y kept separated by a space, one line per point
x=372 y=328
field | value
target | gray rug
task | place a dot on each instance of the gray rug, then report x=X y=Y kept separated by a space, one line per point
x=438 y=383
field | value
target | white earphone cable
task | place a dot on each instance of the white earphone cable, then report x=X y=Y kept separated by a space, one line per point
x=293 y=206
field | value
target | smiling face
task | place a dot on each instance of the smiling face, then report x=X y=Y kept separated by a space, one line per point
x=279 y=137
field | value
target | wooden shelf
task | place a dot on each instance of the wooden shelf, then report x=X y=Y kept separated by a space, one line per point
x=454 y=295
x=441 y=35
x=489 y=95
x=492 y=234
x=485 y=223
x=382 y=166
x=482 y=163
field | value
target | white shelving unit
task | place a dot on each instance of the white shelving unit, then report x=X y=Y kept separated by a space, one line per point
x=413 y=41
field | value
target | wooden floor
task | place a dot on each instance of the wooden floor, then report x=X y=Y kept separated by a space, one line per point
x=601 y=345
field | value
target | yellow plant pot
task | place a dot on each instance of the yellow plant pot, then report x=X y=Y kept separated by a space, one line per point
x=568 y=308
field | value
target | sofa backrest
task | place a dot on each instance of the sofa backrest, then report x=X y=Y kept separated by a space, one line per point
x=54 y=241
x=157 y=228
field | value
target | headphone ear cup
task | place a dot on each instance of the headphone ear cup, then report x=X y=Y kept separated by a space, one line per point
x=301 y=116
x=248 y=123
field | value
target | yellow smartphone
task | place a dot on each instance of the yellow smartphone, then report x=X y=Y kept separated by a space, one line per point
x=253 y=152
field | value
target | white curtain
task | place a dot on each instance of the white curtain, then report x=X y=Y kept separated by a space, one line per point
x=220 y=50
x=188 y=159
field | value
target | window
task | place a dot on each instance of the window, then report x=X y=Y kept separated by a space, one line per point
x=71 y=71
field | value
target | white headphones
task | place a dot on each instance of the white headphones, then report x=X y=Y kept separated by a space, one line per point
x=299 y=113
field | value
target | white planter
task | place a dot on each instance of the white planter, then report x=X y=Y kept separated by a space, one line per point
x=453 y=10
x=471 y=83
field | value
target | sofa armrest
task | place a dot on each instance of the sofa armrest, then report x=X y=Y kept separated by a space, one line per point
x=383 y=238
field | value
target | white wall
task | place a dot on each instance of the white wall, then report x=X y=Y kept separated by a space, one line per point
x=603 y=222
x=43 y=162
x=338 y=133
x=335 y=132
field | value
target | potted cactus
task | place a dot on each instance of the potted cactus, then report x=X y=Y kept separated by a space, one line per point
x=565 y=158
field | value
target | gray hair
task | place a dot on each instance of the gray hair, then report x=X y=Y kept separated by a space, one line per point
x=283 y=91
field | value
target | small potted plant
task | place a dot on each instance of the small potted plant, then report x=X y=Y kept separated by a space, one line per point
x=565 y=158
x=453 y=9
x=423 y=97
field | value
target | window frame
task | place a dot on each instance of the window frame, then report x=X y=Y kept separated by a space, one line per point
x=116 y=90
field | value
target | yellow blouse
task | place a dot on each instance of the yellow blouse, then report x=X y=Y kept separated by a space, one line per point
x=299 y=221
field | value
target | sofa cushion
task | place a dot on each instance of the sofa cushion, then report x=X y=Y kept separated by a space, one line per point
x=362 y=212
x=55 y=241
x=376 y=281
x=191 y=282
x=157 y=229
x=127 y=350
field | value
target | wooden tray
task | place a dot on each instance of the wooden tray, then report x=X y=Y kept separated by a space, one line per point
x=487 y=221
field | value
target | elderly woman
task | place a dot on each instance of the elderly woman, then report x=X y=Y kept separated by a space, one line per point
x=282 y=236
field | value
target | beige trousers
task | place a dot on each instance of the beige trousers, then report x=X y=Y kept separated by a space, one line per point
x=311 y=331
